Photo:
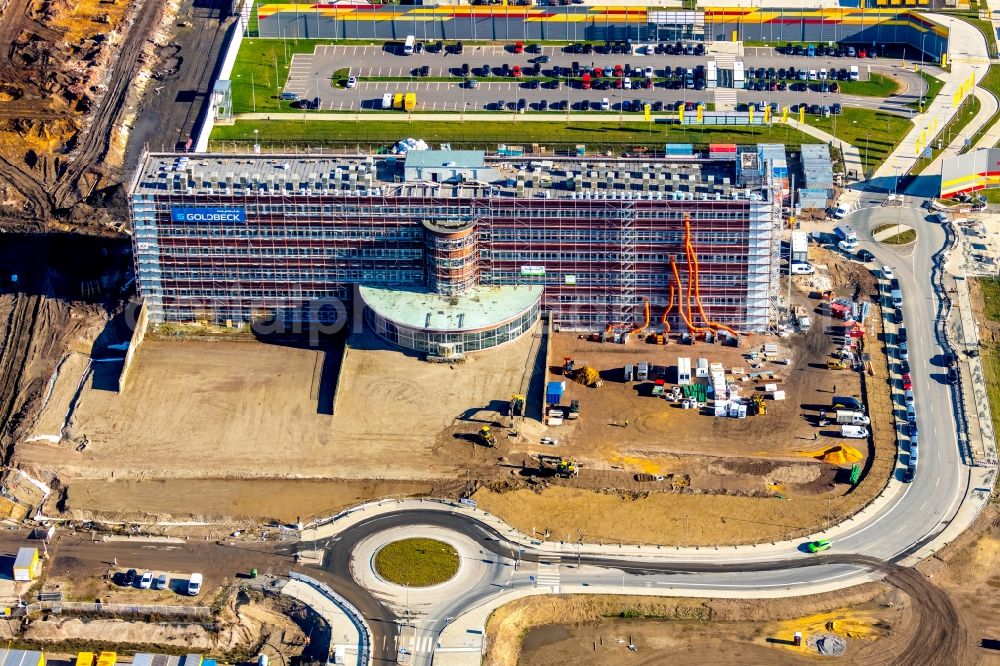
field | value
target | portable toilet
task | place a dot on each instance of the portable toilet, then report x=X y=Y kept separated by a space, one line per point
x=107 y=659
x=27 y=565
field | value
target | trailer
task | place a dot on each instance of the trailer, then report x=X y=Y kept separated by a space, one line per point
x=554 y=392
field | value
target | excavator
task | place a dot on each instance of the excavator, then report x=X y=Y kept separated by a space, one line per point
x=759 y=404
x=487 y=436
x=563 y=467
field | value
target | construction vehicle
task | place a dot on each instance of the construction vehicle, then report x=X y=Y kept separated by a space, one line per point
x=563 y=467
x=574 y=409
x=487 y=436
x=837 y=364
x=517 y=403
x=759 y=405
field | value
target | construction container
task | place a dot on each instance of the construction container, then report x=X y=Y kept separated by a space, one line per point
x=722 y=151
x=85 y=658
x=800 y=247
x=21 y=657
x=107 y=659
x=27 y=564
x=554 y=392
x=679 y=149
x=683 y=371
x=629 y=372
x=702 y=369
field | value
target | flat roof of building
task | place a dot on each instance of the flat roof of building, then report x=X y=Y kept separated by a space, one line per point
x=482 y=308
x=530 y=177
x=461 y=159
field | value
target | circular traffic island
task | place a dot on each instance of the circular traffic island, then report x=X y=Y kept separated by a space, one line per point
x=894 y=234
x=417 y=562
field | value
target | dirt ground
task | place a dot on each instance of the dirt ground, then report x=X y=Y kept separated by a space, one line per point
x=876 y=621
x=224 y=410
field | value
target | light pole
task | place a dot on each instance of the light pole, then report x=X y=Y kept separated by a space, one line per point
x=922 y=38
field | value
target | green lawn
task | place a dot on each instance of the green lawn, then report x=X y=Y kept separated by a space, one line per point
x=990 y=288
x=875 y=133
x=990 y=82
x=963 y=116
x=901 y=238
x=481 y=134
x=934 y=86
x=877 y=85
x=417 y=562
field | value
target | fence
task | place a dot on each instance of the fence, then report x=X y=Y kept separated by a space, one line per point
x=201 y=612
x=364 y=646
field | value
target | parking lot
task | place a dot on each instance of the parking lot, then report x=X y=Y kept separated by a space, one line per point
x=438 y=81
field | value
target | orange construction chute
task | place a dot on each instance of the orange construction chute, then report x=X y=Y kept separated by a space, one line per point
x=670 y=306
x=680 y=307
x=645 y=325
x=693 y=259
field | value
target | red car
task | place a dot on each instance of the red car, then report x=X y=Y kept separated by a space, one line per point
x=598 y=72
x=516 y=72
x=618 y=70
x=862 y=53
x=618 y=83
x=518 y=47
x=907 y=383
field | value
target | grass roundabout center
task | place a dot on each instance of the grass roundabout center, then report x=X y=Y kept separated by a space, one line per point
x=417 y=562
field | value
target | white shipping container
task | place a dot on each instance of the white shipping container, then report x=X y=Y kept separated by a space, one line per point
x=778 y=395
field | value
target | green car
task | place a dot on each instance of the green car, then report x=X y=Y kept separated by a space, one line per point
x=819 y=546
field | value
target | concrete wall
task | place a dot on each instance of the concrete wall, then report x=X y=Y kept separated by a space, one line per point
x=138 y=334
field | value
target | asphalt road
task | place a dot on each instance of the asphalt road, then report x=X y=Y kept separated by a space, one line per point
x=310 y=76
x=914 y=513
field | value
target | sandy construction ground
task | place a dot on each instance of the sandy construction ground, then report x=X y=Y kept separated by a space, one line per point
x=247 y=410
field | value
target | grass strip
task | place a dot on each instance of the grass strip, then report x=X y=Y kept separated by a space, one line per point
x=417 y=562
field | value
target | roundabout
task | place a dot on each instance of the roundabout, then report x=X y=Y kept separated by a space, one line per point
x=417 y=562
x=894 y=234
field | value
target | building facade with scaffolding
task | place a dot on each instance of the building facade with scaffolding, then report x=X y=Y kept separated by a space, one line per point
x=459 y=248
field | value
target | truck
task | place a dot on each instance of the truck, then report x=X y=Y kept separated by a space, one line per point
x=846 y=237
x=853 y=432
x=847 y=402
x=410 y=101
x=642 y=371
x=848 y=417
x=397 y=101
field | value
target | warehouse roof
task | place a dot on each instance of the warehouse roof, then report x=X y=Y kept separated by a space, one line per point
x=481 y=308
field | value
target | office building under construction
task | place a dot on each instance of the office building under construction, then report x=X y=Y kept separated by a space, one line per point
x=457 y=251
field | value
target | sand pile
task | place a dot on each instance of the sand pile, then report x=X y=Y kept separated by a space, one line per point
x=837 y=455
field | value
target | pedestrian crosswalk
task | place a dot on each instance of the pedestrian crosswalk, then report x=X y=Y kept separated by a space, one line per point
x=548 y=572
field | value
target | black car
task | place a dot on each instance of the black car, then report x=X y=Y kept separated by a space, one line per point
x=459 y=49
x=865 y=255
x=505 y=70
x=588 y=48
x=522 y=104
x=626 y=105
x=799 y=51
x=501 y=105
x=128 y=578
x=782 y=85
x=904 y=367
x=836 y=109
x=543 y=105
x=657 y=106
x=540 y=59
x=533 y=84
x=816 y=109
x=419 y=47
x=484 y=70
x=950 y=359
x=901 y=334
x=894 y=284
x=953 y=376
x=425 y=70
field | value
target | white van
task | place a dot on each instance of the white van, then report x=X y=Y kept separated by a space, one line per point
x=194 y=584
x=854 y=432
x=387 y=102
x=802 y=269
x=642 y=373
x=605 y=104
x=408 y=45
x=854 y=73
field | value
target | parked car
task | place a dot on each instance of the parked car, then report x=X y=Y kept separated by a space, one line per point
x=161 y=582
x=128 y=578
x=146 y=581
x=352 y=81
x=194 y=584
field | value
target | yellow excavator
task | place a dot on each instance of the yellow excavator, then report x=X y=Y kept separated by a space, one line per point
x=563 y=467
x=759 y=405
x=487 y=436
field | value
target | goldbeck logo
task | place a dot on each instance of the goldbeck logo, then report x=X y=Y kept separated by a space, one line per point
x=208 y=214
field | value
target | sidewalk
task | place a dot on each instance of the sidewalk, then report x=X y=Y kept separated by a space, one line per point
x=343 y=632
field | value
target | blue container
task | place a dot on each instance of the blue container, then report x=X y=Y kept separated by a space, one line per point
x=554 y=392
x=679 y=149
